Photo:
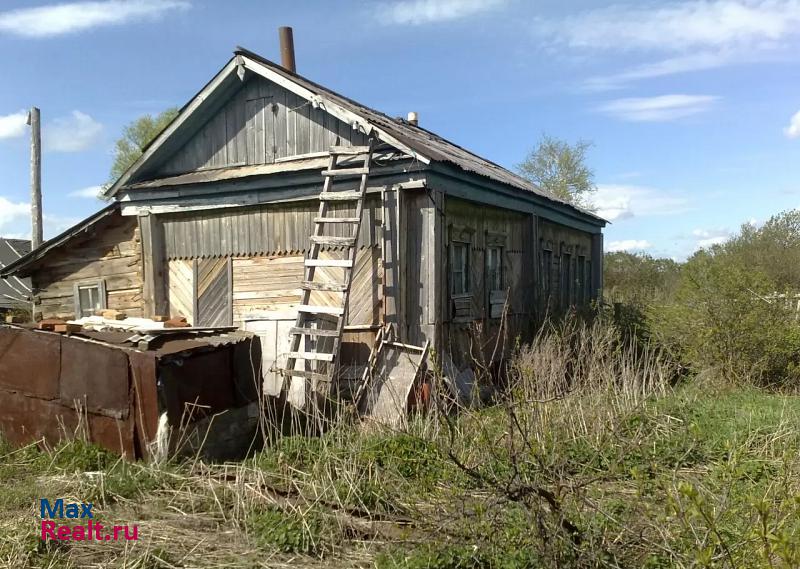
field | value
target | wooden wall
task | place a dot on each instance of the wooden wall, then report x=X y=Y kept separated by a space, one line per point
x=260 y=124
x=112 y=251
x=268 y=229
x=479 y=224
x=272 y=284
x=562 y=241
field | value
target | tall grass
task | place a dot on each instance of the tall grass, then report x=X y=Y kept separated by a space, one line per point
x=588 y=457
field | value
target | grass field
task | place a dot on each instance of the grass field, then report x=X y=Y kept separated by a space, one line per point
x=617 y=472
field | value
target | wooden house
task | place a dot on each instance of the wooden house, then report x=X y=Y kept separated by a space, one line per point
x=219 y=221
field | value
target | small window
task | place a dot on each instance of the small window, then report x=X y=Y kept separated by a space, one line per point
x=494 y=268
x=581 y=280
x=547 y=273
x=89 y=297
x=588 y=274
x=459 y=268
x=566 y=279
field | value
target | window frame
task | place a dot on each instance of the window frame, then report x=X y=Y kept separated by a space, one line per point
x=465 y=279
x=546 y=270
x=100 y=285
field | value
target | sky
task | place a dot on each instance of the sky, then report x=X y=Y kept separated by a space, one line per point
x=692 y=107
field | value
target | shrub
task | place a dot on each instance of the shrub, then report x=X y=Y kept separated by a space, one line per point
x=726 y=315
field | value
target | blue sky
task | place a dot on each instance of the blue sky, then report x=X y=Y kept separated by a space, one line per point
x=693 y=107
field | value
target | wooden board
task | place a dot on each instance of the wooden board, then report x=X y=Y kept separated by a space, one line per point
x=260 y=123
x=396 y=368
x=213 y=292
x=268 y=229
x=111 y=252
x=180 y=289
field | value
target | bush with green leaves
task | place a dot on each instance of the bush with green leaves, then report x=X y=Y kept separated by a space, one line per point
x=732 y=316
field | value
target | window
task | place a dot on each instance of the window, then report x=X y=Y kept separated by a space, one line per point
x=89 y=297
x=589 y=292
x=546 y=271
x=459 y=268
x=494 y=268
x=496 y=295
x=566 y=279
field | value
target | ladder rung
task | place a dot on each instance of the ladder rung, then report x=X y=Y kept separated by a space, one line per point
x=349 y=150
x=330 y=287
x=346 y=172
x=333 y=241
x=305 y=374
x=336 y=220
x=345 y=263
x=340 y=196
x=322 y=357
x=334 y=310
x=313 y=332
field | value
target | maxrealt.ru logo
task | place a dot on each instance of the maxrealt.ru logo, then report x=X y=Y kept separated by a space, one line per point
x=89 y=531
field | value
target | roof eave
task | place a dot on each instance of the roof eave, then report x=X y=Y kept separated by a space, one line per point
x=20 y=265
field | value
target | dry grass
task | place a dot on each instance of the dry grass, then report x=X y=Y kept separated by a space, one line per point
x=589 y=459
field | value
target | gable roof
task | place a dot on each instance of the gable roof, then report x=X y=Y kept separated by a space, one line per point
x=13 y=290
x=420 y=143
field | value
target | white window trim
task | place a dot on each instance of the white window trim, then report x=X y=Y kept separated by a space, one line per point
x=100 y=284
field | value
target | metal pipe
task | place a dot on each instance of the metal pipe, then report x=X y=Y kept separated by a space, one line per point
x=287 y=48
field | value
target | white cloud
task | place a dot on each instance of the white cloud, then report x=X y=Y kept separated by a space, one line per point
x=708 y=237
x=658 y=109
x=11 y=212
x=670 y=66
x=73 y=17
x=793 y=130
x=417 y=12
x=73 y=133
x=616 y=202
x=13 y=125
x=628 y=245
x=90 y=192
x=696 y=34
x=685 y=26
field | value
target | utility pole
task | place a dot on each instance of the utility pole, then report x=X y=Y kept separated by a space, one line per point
x=36 y=178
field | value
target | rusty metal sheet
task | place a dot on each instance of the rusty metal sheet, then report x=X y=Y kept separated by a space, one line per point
x=114 y=434
x=145 y=399
x=27 y=419
x=95 y=374
x=29 y=362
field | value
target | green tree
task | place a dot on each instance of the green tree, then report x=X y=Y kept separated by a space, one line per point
x=135 y=138
x=638 y=278
x=559 y=168
x=734 y=307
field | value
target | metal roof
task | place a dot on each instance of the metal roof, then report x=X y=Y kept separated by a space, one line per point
x=13 y=290
x=421 y=140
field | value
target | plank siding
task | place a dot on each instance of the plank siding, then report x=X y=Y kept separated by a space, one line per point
x=272 y=284
x=180 y=288
x=111 y=252
x=262 y=230
x=261 y=123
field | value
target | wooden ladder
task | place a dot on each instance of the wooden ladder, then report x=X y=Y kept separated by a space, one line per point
x=323 y=325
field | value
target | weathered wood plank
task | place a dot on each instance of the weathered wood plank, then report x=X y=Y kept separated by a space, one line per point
x=309 y=356
x=333 y=310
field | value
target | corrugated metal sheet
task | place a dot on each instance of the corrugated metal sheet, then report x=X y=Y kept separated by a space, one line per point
x=262 y=230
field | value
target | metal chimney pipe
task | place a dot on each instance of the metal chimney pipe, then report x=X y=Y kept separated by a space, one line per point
x=413 y=118
x=36 y=178
x=287 y=48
